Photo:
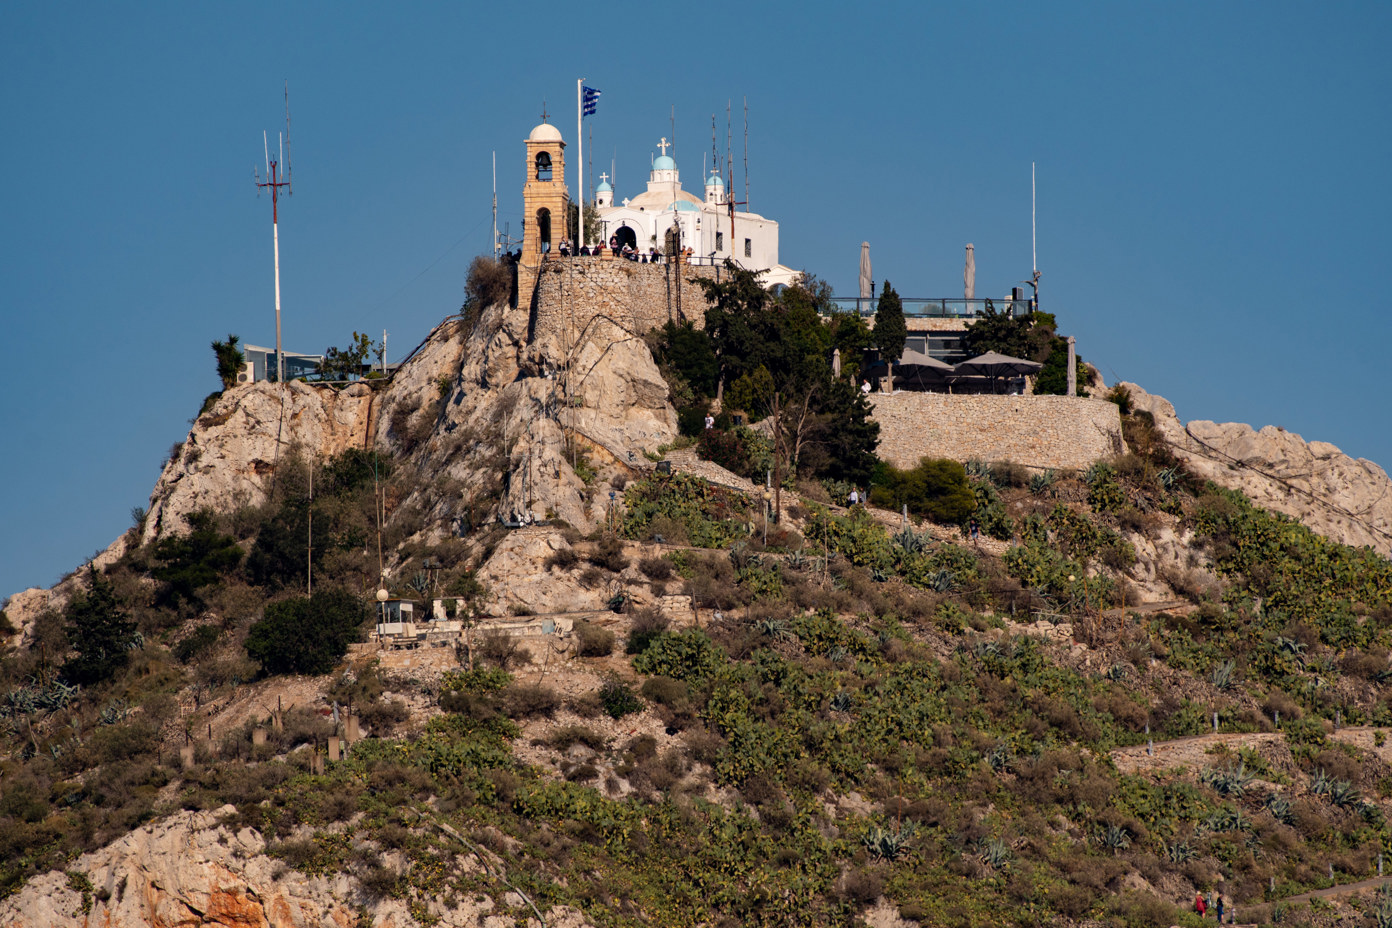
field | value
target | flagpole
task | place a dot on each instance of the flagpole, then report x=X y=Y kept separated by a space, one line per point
x=580 y=167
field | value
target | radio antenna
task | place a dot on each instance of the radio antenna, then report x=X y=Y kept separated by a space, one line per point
x=746 y=154
x=273 y=182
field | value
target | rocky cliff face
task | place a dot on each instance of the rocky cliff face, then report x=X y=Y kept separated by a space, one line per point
x=1348 y=500
x=496 y=434
x=234 y=448
x=190 y=871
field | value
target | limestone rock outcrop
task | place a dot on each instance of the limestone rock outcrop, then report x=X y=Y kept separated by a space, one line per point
x=188 y=870
x=505 y=442
x=234 y=447
x=1345 y=499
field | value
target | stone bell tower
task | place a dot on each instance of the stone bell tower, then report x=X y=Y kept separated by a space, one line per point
x=545 y=204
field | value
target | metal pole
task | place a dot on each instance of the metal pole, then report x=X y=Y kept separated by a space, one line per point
x=580 y=152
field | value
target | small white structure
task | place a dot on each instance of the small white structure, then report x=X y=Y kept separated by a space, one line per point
x=665 y=217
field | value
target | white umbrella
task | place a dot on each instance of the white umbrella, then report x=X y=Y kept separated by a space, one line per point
x=836 y=363
x=867 y=283
x=969 y=273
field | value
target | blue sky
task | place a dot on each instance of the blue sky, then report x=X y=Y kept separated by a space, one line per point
x=1213 y=191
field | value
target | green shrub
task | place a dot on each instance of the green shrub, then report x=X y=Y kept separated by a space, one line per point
x=618 y=699
x=307 y=635
x=689 y=655
x=935 y=488
x=196 y=643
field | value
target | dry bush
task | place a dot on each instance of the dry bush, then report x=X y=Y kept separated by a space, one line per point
x=656 y=568
x=501 y=650
x=593 y=641
x=382 y=716
x=647 y=625
x=567 y=736
x=609 y=554
x=528 y=700
x=1009 y=474
x=1278 y=701
x=563 y=558
x=1365 y=663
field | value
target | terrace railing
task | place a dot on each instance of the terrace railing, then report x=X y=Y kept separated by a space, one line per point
x=941 y=308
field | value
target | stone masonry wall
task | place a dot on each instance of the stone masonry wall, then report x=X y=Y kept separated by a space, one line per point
x=1037 y=431
x=636 y=296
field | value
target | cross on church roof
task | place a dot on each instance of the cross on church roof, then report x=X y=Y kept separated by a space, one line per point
x=604 y=178
x=663 y=145
x=543 y=111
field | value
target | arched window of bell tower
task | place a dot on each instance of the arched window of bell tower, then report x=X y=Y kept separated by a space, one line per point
x=543 y=165
x=543 y=219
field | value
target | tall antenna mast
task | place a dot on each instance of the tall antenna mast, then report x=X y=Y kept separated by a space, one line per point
x=1034 y=228
x=495 y=206
x=273 y=182
x=746 y=154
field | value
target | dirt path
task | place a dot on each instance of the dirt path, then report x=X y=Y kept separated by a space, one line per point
x=1346 y=889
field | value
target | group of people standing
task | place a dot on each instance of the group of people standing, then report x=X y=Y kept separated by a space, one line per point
x=566 y=249
x=1214 y=903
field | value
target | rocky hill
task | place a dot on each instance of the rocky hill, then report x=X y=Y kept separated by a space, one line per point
x=652 y=709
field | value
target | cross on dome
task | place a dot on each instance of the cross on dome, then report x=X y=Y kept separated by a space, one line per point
x=604 y=178
x=543 y=111
x=663 y=145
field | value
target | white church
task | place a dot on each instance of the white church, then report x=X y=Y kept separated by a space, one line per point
x=709 y=226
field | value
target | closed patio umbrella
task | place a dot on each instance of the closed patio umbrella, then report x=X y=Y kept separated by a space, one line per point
x=867 y=282
x=969 y=273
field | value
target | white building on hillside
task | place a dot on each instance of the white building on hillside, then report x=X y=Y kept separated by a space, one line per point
x=707 y=226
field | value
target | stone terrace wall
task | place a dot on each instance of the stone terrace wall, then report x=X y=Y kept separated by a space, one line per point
x=636 y=296
x=1037 y=431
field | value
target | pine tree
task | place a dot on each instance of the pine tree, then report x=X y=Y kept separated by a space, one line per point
x=891 y=331
x=100 y=631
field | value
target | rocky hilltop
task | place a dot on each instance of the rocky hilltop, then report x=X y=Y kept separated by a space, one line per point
x=1346 y=499
x=689 y=717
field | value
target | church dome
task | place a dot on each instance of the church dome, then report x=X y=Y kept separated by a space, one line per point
x=604 y=187
x=545 y=133
x=714 y=181
x=682 y=206
x=662 y=163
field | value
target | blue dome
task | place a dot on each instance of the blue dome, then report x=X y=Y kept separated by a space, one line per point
x=683 y=206
x=604 y=187
x=715 y=181
x=664 y=163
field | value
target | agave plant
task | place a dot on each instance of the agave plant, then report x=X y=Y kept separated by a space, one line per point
x=1042 y=481
x=773 y=628
x=842 y=702
x=1115 y=837
x=1382 y=907
x=1224 y=675
x=1231 y=782
x=420 y=583
x=1280 y=808
x=1168 y=478
x=888 y=845
x=1180 y=852
x=994 y=853
x=1343 y=794
x=909 y=540
x=115 y=711
x=942 y=581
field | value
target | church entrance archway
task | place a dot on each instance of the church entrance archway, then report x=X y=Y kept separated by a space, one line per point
x=543 y=219
x=627 y=236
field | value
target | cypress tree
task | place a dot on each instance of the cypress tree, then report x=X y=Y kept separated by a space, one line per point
x=891 y=331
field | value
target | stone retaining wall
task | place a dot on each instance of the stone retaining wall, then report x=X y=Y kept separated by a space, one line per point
x=1037 y=431
x=638 y=297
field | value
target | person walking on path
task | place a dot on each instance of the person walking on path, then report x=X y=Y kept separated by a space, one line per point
x=1219 y=903
x=855 y=496
x=1199 y=904
x=975 y=531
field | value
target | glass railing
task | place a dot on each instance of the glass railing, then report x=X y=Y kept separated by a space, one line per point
x=946 y=308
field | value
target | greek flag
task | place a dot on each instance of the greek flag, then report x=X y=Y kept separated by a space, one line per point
x=589 y=100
